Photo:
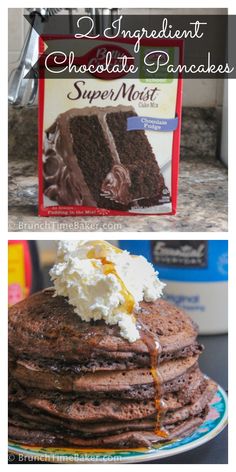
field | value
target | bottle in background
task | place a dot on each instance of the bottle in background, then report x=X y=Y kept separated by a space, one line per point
x=24 y=273
x=196 y=275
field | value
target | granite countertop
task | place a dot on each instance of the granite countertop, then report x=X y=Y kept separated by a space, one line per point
x=202 y=203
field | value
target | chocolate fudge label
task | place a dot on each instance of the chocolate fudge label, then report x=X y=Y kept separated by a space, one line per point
x=180 y=253
x=151 y=124
x=109 y=145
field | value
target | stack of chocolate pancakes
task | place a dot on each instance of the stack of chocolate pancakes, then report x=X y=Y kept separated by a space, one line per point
x=74 y=383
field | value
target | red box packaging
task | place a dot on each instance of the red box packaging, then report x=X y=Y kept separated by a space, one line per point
x=109 y=145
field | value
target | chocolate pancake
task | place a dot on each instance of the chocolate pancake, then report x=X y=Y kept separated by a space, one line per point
x=74 y=383
x=101 y=382
x=123 y=440
x=22 y=408
x=50 y=329
x=184 y=385
x=95 y=411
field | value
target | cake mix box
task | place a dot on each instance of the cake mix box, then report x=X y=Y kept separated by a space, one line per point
x=109 y=144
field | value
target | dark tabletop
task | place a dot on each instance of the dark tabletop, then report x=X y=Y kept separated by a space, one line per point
x=214 y=362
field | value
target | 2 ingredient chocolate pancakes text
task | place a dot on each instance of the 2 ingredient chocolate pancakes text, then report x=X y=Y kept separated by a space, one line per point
x=166 y=32
x=153 y=60
x=152 y=65
x=203 y=57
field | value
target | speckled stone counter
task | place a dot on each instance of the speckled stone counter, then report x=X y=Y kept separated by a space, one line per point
x=202 y=202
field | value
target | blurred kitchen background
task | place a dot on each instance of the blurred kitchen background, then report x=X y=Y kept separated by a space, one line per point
x=202 y=204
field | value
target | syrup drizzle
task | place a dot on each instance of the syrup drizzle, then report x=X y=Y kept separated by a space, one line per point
x=109 y=268
x=150 y=340
x=154 y=349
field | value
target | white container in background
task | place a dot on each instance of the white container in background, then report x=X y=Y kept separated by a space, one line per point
x=196 y=275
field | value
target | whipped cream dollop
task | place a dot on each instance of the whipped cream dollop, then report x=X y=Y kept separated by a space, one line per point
x=103 y=282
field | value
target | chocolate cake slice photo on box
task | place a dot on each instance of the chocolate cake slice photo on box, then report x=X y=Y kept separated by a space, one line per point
x=101 y=360
x=109 y=145
x=91 y=159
